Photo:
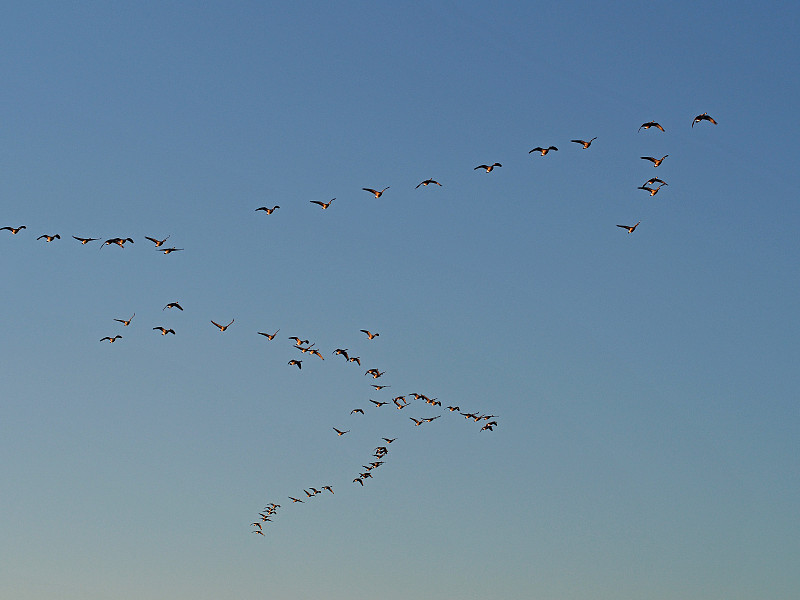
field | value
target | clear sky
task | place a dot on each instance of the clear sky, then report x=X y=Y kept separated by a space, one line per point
x=645 y=384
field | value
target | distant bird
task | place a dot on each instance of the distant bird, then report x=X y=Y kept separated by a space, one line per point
x=294 y=499
x=339 y=432
x=327 y=487
x=543 y=151
x=158 y=243
x=296 y=363
x=653 y=180
x=111 y=339
x=376 y=192
x=173 y=305
x=118 y=241
x=164 y=330
x=258 y=531
x=49 y=238
x=324 y=205
x=168 y=250
x=357 y=410
x=376 y=403
x=417 y=422
x=375 y=373
x=85 y=240
x=269 y=336
x=703 y=117
x=428 y=182
x=370 y=335
x=223 y=327
x=316 y=353
x=388 y=440
x=298 y=341
x=124 y=322
x=487 y=168
x=269 y=211
x=653 y=191
x=14 y=230
x=453 y=408
x=343 y=352
x=650 y=124
x=655 y=161
x=359 y=480
x=355 y=359
x=630 y=228
x=487 y=427
x=380 y=387
x=256 y=524
x=431 y=419
x=585 y=144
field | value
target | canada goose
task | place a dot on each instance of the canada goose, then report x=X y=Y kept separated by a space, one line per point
x=118 y=241
x=168 y=250
x=703 y=117
x=316 y=353
x=585 y=144
x=269 y=211
x=343 y=352
x=14 y=230
x=630 y=228
x=375 y=373
x=417 y=422
x=359 y=480
x=380 y=387
x=370 y=335
x=655 y=161
x=376 y=192
x=428 y=182
x=85 y=241
x=124 y=322
x=357 y=410
x=431 y=419
x=653 y=191
x=376 y=403
x=453 y=408
x=49 y=238
x=398 y=404
x=653 y=180
x=269 y=336
x=487 y=427
x=223 y=327
x=258 y=531
x=324 y=205
x=543 y=150
x=158 y=243
x=297 y=363
x=650 y=124
x=164 y=330
x=388 y=440
x=355 y=359
x=488 y=168
x=256 y=524
x=111 y=339
x=294 y=499
x=339 y=432
x=327 y=487
x=173 y=305
x=298 y=341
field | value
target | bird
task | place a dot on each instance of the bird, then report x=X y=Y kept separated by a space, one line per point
x=173 y=305
x=14 y=230
x=653 y=191
x=111 y=339
x=355 y=359
x=653 y=180
x=118 y=241
x=269 y=211
x=375 y=373
x=223 y=327
x=294 y=499
x=49 y=238
x=256 y=524
x=376 y=403
x=487 y=427
x=324 y=205
x=327 y=487
x=168 y=250
x=453 y=408
x=297 y=363
x=298 y=341
x=258 y=531
x=585 y=144
x=339 y=432
x=655 y=161
x=164 y=330
x=380 y=387
x=428 y=182
x=488 y=168
x=630 y=228
x=85 y=240
x=359 y=480
x=376 y=192
x=316 y=353
x=124 y=322
x=343 y=352
x=703 y=117
x=543 y=150
x=650 y=124
x=269 y=336
x=370 y=335
x=431 y=419
x=417 y=422
x=388 y=440
x=158 y=243
x=357 y=410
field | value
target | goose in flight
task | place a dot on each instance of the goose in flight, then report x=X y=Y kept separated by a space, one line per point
x=111 y=339
x=223 y=327
x=388 y=440
x=653 y=180
x=427 y=182
x=269 y=336
x=653 y=191
x=340 y=432
x=380 y=387
x=630 y=228
x=417 y=422
x=585 y=144
x=168 y=250
x=164 y=330
x=359 y=480
x=124 y=322
x=158 y=243
x=296 y=363
x=14 y=230
x=357 y=410
x=327 y=487
x=703 y=117
x=376 y=403
x=376 y=192
x=650 y=124
x=488 y=168
x=269 y=211
x=655 y=161
x=258 y=531
x=370 y=335
x=298 y=341
x=543 y=150
x=324 y=205
x=343 y=352
x=173 y=305
x=49 y=238
x=85 y=241
x=355 y=359
x=315 y=352
x=295 y=499
x=118 y=241
x=375 y=373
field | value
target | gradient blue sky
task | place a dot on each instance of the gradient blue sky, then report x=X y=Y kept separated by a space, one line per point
x=646 y=384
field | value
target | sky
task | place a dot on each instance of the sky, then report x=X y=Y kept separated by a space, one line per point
x=644 y=384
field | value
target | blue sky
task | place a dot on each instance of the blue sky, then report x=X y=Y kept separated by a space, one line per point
x=645 y=384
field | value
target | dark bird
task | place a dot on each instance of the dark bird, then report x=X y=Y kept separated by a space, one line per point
x=168 y=250
x=376 y=192
x=14 y=230
x=653 y=191
x=585 y=144
x=655 y=161
x=85 y=240
x=316 y=353
x=653 y=180
x=650 y=124
x=269 y=211
x=173 y=305
x=376 y=403
x=111 y=339
x=355 y=359
x=488 y=168
x=543 y=150
x=375 y=373
x=294 y=499
x=703 y=117
x=124 y=322
x=343 y=352
x=339 y=432
x=324 y=205
x=357 y=410
x=164 y=330
x=297 y=363
x=417 y=422
x=258 y=531
x=370 y=335
x=269 y=336
x=118 y=241
x=630 y=228
x=427 y=182
x=327 y=487
x=223 y=327
x=453 y=408
x=158 y=243
x=380 y=387
x=359 y=480
x=49 y=238
x=298 y=341
x=388 y=440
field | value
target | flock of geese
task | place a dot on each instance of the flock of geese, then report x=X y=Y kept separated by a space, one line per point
x=400 y=402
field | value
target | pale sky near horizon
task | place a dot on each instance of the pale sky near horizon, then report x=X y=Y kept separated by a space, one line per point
x=645 y=384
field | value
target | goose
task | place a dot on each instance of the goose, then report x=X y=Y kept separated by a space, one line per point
x=370 y=335
x=111 y=339
x=223 y=327
x=324 y=205
x=653 y=180
x=543 y=150
x=169 y=250
x=298 y=341
x=427 y=182
x=653 y=191
x=655 y=161
x=585 y=144
x=173 y=305
x=340 y=432
x=388 y=440
x=630 y=228
x=357 y=410
x=316 y=353
x=703 y=117
x=297 y=363
x=488 y=168
x=380 y=387
x=417 y=422
x=157 y=242
x=269 y=336
x=376 y=403
x=295 y=499
x=359 y=480
x=355 y=359
x=376 y=192
x=49 y=238
x=269 y=211
x=650 y=124
x=85 y=241
x=14 y=230
x=124 y=322
x=343 y=352
x=258 y=531
x=164 y=330
x=118 y=241
x=327 y=487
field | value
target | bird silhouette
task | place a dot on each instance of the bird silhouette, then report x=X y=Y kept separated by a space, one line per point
x=324 y=205
x=655 y=161
x=223 y=327
x=370 y=335
x=124 y=322
x=376 y=192
x=157 y=242
x=488 y=168
x=111 y=339
x=164 y=330
x=269 y=211
x=49 y=238
x=340 y=432
x=168 y=250
x=703 y=117
x=585 y=144
x=427 y=182
x=173 y=305
x=269 y=336
x=653 y=191
x=650 y=124
x=296 y=363
x=543 y=151
x=14 y=230
x=85 y=241
x=630 y=228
